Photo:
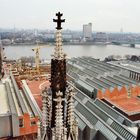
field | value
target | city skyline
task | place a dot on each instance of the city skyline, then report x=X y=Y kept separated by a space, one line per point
x=106 y=15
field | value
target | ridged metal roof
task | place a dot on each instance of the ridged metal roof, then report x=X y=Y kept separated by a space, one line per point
x=99 y=74
x=102 y=117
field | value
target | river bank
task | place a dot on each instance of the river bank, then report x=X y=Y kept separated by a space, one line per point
x=64 y=43
x=96 y=51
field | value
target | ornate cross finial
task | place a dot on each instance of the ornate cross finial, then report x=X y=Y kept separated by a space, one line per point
x=59 y=20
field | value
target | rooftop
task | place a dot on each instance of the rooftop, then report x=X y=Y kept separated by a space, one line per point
x=99 y=75
x=4 y=101
x=36 y=87
x=106 y=80
x=104 y=118
x=127 y=64
x=129 y=105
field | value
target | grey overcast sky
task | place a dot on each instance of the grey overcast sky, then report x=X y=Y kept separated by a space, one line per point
x=105 y=15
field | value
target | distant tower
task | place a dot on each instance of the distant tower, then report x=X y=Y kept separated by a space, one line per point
x=87 y=31
x=121 y=30
x=61 y=125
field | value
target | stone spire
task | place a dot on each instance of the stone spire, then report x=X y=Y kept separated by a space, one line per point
x=46 y=110
x=71 y=120
x=59 y=124
x=70 y=107
x=38 y=131
x=138 y=132
x=1 y=49
x=58 y=53
x=58 y=69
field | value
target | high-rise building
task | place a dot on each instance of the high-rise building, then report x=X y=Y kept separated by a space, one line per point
x=87 y=31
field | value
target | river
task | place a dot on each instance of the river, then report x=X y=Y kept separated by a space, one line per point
x=15 y=52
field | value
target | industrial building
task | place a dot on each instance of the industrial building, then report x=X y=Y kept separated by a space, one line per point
x=132 y=66
x=18 y=113
x=98 y=76
x=112 y=83
x=99 y=121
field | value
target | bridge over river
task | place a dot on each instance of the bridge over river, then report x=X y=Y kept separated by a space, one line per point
x=130 y=43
